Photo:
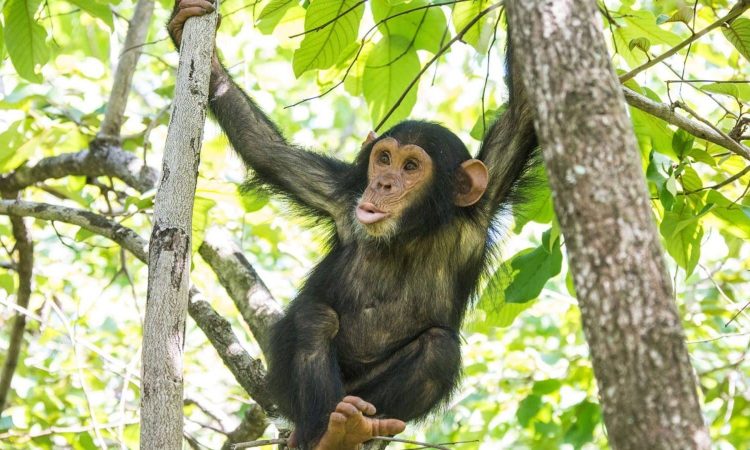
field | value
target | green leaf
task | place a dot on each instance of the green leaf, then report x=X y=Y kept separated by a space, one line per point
x=546 y=386
x=484 y=121
x=641 y=43
x=538 y=205
x=272 y=13
x=528 y=409
x=532 y=268
x=338 y=23
x=682 y=233
x=96 y=9
x=683 y=14
x=253 y=200
x=682 y=142
x=480 y=34
x=391 y=66
x=8 y=283
x=738 y=33
x=740 y=91
x=425 y=27
x=690 y=179
x=83 y=234
x=25 y=38
x=587 y=417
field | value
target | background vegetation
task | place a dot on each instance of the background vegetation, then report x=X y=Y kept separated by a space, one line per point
x=528 y=380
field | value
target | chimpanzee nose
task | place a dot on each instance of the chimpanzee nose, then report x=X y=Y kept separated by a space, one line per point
x=384 y=185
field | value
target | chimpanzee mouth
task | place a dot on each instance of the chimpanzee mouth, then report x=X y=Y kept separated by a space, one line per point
x=367 y=213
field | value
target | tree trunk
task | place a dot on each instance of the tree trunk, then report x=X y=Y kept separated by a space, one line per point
x=169 y=248
x=646 y=383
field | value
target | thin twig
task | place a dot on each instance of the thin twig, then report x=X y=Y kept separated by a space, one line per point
x=735 y=12
x=408 y=441
x=259 y=443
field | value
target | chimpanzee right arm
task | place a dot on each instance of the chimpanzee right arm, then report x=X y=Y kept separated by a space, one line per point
x=307 y=178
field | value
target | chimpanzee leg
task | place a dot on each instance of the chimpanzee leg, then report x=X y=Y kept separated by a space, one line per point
x=304 y=376
x=415 y=379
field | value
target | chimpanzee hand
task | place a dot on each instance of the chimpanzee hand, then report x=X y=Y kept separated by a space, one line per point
x=348 y=427
x=183 y=10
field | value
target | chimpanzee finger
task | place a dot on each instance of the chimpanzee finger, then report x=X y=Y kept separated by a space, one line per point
x=207 y=5
x=336 y=427
x=387 y=427
x=347 y=409
x=362 y=405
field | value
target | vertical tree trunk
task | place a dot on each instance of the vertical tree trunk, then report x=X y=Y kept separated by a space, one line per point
x=646 y=383
x=169 y=248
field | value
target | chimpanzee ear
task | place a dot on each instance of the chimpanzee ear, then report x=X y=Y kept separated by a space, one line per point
x=371 y=136
x=471 y=182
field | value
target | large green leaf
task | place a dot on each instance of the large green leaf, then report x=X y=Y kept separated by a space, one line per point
x=391 y=66
x=532 y=268
x=740 y=91
x=424 y=27
x=25 y=38
x=331 y=26
x=738 y=33
x=96 y=9
x=682 y=233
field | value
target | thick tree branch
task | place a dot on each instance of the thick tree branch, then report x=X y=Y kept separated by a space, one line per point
x=735 y=12
x=101 y=160
x=24 y=266
x=697 y=129
x=248 y=371
x=250 y=295
x=87 y=220
x=118 y=97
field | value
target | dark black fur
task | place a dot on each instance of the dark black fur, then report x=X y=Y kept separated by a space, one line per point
x=378 y=317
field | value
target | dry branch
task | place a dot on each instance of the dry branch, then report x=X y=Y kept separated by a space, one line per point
x=101 y=160
x=118 y=97
x=24 y=268
x=250 y=295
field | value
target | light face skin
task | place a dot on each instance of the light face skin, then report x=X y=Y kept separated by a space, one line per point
x=396 y=175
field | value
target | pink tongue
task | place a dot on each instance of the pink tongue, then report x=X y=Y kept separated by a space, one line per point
x=368 y=214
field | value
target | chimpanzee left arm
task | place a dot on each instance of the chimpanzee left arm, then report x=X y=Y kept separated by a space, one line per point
x=510 y=143
x=308 y=178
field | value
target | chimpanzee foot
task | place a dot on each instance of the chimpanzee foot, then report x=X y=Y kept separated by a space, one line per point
x=349 y=426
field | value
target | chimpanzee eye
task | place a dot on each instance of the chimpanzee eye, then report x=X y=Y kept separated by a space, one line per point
x=384 y=158
x=411 y=165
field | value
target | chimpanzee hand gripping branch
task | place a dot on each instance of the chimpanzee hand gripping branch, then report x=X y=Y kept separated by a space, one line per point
x=372 y=338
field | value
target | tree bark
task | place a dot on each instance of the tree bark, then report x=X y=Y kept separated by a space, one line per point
x=646 y=383
x=169 y=248
x=25 y=267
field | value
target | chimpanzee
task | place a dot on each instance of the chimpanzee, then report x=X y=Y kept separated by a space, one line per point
x=372 y=339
